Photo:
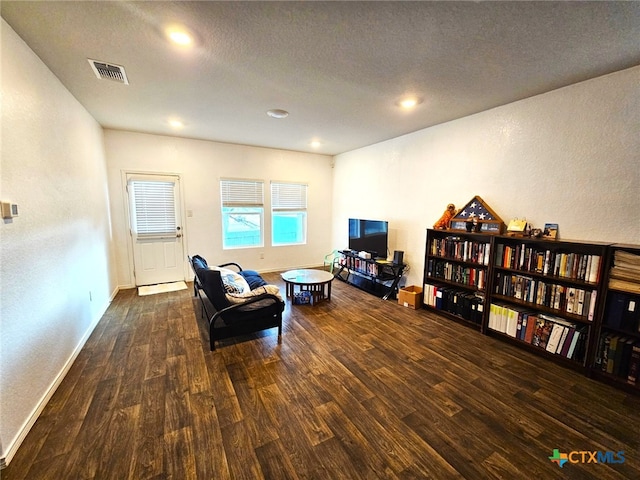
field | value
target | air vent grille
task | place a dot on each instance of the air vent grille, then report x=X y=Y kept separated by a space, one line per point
x=108 y=71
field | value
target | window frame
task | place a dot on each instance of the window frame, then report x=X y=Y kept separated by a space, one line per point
x=246 y=194
x=289 y=198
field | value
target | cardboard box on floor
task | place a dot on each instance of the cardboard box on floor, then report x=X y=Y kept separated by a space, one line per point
x=410 y=296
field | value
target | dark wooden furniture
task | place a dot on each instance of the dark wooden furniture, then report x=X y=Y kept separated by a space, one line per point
x=556 y=286
x=617 y=353
x=316 y=282
x=559 y=299
x=456 y=275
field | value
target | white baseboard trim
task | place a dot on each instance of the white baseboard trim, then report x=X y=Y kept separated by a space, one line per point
x=26 y=427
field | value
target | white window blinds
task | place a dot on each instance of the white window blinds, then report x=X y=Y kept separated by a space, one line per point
x=154 y=208
x=288 y=196
x=242 y=193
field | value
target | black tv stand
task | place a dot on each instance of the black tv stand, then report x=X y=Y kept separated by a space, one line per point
x=376 y=276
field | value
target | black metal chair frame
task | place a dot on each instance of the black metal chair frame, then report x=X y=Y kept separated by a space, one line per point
x=233 y=319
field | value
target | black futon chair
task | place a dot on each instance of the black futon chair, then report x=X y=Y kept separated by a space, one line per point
x=256 y=313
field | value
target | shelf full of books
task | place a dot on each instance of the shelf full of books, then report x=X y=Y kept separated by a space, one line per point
x=617 y=355
x=574 y=302
x=539 y=331
x=545 y=295
x=456 y=274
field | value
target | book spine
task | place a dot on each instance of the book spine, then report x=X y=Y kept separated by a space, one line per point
x=634 y=365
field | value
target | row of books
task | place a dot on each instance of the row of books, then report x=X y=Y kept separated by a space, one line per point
x=359 y=264
x=460 y=249
x=620 y=356
x=553 y=334
x=453 y=272
x=625 y=273
x=576 y=266
x=455 y=301
x=622 y=312
x=573 y=300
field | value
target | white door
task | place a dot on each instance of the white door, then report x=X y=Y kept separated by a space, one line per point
x=156 y=231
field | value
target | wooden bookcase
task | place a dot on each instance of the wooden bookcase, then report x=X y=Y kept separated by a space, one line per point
x=576 y=303
x=546 y=296
x=617 y=354
x=456 y=275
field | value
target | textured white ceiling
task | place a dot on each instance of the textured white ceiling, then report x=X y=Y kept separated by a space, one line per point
x=338 y=67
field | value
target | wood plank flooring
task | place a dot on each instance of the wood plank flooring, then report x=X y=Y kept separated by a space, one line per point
x=357 y=388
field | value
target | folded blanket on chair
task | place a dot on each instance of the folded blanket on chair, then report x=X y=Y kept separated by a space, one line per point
x=253 y=278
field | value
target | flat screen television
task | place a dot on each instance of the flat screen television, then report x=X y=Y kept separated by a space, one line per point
x=369 y=236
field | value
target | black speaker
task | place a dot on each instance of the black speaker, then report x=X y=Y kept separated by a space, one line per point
x=397 y=257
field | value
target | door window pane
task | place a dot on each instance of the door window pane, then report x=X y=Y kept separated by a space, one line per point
x=154 y=208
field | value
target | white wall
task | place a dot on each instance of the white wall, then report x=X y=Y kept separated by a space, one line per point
x=568 y=157
x=56 y=277
x=201 y=164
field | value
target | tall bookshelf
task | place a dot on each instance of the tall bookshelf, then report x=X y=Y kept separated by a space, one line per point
x=546 y=296
x=456 y=275
x=573 y=302
x=617 y=355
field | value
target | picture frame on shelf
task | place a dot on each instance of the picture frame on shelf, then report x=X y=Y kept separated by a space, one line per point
x=517 y=227
x=550 y=231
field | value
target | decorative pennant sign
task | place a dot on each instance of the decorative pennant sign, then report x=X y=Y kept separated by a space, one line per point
x=477 y=216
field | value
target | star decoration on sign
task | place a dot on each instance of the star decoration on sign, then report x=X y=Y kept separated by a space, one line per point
x=477 y=213
x=475 y=210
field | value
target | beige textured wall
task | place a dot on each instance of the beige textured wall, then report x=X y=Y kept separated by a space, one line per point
x=569 y=156
x=56 y=274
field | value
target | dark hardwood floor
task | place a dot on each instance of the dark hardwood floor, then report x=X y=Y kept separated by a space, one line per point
x=357 y=388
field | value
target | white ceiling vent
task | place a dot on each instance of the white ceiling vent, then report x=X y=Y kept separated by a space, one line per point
x=107 y=71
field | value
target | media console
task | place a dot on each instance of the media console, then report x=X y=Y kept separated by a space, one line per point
x=376 y=276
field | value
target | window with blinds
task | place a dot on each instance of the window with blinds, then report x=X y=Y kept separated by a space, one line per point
x=242 y=213
x=154 y=207
x=288 y=213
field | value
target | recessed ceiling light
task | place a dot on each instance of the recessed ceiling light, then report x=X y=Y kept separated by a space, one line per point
x=277 y=113
x=180 y=36
x=175 y=123
x=315 y=144
x=409 y=102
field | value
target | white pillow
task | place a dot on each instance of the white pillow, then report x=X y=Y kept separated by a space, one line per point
x=242 y=297
x=233 y=281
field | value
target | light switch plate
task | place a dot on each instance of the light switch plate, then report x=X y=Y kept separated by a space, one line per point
x=9 y=210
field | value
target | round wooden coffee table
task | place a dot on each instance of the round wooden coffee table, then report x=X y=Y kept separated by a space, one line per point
x=316 y=282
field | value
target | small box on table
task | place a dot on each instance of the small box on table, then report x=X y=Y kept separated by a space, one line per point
x=410 y=296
